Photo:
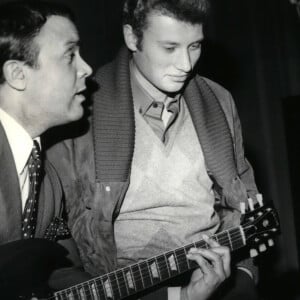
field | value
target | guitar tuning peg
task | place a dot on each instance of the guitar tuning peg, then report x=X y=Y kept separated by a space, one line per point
x=253 y=252
x=262 y=248
x=243 y=207
x=251 y=204
x=270 y=242
x=259 y=199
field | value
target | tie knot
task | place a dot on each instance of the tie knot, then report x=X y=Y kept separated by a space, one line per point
x=36 y=151
x=35 y=159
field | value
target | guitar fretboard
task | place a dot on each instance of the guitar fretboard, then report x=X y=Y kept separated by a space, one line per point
x=140 y=276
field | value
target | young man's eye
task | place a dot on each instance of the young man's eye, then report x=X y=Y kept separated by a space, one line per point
x=170 y=49
x=195 y=46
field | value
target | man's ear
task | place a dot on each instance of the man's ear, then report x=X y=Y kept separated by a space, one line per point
x=14 y=74
x=130 y=38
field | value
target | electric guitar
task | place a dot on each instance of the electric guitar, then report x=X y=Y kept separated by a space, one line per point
x=257 y=228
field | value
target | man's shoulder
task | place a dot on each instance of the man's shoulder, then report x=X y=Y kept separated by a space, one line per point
x=218 y=89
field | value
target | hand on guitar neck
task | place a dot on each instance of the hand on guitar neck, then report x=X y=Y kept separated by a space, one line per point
x=214 y=268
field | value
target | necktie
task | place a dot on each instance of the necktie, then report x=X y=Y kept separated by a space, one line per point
x=30 y=210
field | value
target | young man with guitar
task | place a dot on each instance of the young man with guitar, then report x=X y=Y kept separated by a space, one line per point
x=162 y=164
x=42 y=77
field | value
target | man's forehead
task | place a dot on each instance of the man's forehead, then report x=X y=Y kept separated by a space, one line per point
x=170 y=28
x=58 y=29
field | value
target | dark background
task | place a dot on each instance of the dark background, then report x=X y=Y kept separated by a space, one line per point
x=253 y=49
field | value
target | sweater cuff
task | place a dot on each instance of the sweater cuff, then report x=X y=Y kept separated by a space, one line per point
x=174 y=293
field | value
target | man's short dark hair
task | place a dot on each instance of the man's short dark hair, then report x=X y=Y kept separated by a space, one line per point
x=20 y=23
x=135 y=12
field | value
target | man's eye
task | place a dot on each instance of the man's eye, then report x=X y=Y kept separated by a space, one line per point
x=71 y=56
x=170 y=49
x=195 y=46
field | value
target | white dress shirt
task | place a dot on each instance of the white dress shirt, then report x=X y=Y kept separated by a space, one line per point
x=21 y=145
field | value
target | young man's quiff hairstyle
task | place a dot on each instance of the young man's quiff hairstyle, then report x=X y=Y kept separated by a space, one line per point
x=135 y=12
x=20 y=23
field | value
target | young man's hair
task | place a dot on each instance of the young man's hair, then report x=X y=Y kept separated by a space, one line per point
x=135 y=12
x=20 y=23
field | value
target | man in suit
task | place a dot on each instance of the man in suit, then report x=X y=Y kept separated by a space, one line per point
x=42 y=78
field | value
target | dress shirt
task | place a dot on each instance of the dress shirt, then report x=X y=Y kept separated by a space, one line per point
x=158 y=109
x=21 y=145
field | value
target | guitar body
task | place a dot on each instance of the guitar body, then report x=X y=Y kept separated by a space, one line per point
x=26 y=265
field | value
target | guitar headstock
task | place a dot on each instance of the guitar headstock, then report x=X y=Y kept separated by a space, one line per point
x=260 y=225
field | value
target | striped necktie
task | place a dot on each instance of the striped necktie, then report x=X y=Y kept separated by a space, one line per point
x=31 y=206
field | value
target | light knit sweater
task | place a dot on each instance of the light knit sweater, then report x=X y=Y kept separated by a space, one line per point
x=170 y=194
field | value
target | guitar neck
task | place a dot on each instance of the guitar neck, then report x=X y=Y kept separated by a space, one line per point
x=135 y=278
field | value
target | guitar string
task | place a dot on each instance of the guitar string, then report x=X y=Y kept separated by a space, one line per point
x=81 y=287
x=180 y=258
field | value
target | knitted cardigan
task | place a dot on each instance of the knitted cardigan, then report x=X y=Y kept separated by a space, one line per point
x=95 y=167
x=113 y=122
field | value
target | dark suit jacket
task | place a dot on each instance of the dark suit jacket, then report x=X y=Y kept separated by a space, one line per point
x=50 y=205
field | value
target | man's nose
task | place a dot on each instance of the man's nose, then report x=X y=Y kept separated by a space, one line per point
x=184 y=62
x=84 y=69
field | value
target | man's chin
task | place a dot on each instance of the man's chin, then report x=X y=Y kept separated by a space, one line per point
x=173 y=88
x=76 y=114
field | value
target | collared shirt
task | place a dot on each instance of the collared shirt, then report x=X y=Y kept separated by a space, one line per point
x=21 y=145
x=158 y=109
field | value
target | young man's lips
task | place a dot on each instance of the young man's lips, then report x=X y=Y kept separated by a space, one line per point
x=179 y=79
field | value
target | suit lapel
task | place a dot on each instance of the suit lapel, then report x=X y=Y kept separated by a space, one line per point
x=10 y=196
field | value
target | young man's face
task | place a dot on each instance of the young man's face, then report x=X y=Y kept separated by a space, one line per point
x=55 y=86
x=169 y=51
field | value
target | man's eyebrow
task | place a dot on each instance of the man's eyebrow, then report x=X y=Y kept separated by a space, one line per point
x=166 y=42
x=171 y=43
x=72 y=44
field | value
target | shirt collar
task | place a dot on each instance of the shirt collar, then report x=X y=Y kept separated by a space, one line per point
x=19 y=140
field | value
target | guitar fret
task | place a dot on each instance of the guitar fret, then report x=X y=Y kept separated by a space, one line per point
x=125 y=281
x=147 y=281
x=143 y=283
x=186 y=250
x=82 y=293
x=73 y=293
x=237 y=241
x=88 y=291
x=162 y=267
x=66 y=294
x=201 y=244
x=122 y=284
x=223 y=238
x=129 y=280
x=114 y=285
x=157 y=267
x=137 y=277
x=167 y=264
x=59 y=295
x=94 y=290
x=181 y=259
x=172 y=263
x=107 y=287
x=229 y=239
x=100 y=288
x=153 y=270
x=150 y=273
